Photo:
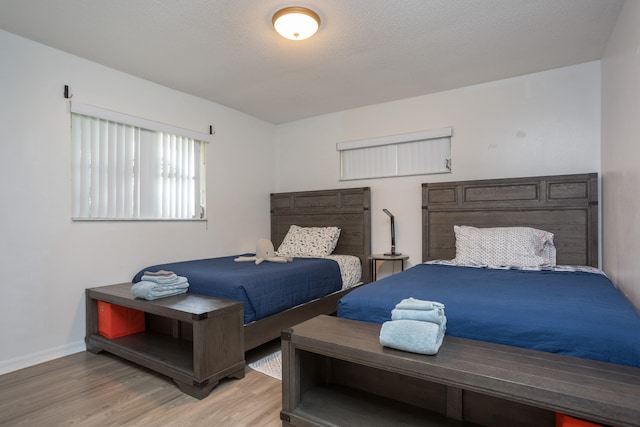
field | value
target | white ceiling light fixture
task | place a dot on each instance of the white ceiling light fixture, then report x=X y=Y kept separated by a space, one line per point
x=296 y=23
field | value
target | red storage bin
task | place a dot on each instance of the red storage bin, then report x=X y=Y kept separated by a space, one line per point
x=116 y=321
x=563 y=420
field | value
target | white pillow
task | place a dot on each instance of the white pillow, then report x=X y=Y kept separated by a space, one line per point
x=309 y=241
x=504 y=246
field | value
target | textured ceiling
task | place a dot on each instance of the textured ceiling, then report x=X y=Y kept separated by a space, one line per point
x=366 y=51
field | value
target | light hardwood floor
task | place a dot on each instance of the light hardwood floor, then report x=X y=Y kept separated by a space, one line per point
x=85 y=389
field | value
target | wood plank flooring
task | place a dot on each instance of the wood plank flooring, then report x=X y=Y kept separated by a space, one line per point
x=103 y=390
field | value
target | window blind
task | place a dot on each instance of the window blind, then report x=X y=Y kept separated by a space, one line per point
x=416 y=153
x=115 y=116
x=128 y=168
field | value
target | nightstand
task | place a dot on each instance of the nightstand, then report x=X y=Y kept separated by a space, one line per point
x=374 y=259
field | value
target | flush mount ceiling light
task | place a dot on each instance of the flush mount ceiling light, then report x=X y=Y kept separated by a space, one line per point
x=296 y=23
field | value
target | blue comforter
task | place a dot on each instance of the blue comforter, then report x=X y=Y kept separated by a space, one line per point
x=572 y=313
x=264 y=289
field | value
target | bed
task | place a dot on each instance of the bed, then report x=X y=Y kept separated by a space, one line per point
x=574 y=311
x=278 y=295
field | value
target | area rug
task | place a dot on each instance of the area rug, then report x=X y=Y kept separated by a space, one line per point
x=269 y=365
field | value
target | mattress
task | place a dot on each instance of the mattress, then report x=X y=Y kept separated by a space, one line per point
x=264 y=289
x=574 y=313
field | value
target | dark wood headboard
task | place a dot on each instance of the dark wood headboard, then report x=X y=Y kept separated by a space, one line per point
x=345 y=208
x=566 y=205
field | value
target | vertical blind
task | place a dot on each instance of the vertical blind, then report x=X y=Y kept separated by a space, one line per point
x=416 y=153
x=125 y=171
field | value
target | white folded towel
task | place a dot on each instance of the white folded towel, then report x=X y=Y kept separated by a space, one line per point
x=165 y=280
x=151 y=290
x=433 y=316
x=412 y=335
x=415 y=309
x=417 y=304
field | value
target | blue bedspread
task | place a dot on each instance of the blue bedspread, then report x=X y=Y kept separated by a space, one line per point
x=264 y=289
x=571 y=313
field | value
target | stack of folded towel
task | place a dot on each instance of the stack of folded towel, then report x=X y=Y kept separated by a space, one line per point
x=417 y=326
x=159 y=284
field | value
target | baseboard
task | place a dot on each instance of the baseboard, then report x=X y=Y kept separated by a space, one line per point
x=32 y=359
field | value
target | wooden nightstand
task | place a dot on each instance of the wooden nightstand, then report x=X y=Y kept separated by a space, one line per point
x=374 y=259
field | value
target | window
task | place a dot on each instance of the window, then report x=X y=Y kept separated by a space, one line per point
x=126 y=168
x=416 y=153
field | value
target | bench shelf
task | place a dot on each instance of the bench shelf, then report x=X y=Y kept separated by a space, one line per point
x=335 y=372
x=193 y=339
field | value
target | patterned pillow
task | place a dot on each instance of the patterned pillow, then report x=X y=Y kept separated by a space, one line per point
x=504 y=246
x=309 y=241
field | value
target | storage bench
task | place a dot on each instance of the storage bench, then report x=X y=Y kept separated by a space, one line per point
x=195 y=340
x=336 y=372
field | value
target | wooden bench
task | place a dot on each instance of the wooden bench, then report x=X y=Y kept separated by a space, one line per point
x=195 y=340
x=335 y=372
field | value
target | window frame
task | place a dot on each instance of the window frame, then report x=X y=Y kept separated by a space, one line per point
x=149 y=136
x=389 y=156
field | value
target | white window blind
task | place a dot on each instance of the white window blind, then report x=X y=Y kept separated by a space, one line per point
x=126 y=168
x=416 y=153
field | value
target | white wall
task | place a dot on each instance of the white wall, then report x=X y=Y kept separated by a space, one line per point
x=545 y=123
x=540 y=124
x=47 y=260
x=621 y=152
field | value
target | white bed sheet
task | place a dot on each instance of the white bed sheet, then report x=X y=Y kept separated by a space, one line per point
x=350 y=269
